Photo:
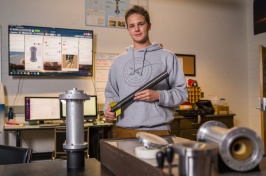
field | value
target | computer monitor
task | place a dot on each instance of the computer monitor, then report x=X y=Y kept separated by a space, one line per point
x=42 y=108
x=48 y=51
x=90 y=109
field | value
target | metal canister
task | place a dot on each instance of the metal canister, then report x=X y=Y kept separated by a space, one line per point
x=240 y=148
x=195 y=158
x=74 y=144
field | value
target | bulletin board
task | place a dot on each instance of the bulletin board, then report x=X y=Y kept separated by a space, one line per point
x=109 y=13
x=103 y=62
x=188 y=62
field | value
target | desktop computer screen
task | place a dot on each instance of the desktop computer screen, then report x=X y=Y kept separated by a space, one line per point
x=48 y=51
x=42 y=108
x=90 y=108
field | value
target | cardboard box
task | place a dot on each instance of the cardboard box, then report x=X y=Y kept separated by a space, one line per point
x=221 y=109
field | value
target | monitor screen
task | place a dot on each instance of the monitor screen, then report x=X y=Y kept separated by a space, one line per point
x=47 y=51
x=42 y=108
x=90 y=108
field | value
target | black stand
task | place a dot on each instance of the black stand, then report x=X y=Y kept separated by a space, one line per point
x=75 y=159
x=221 y=167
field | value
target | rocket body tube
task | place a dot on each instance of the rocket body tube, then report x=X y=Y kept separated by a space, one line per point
x=148 y=85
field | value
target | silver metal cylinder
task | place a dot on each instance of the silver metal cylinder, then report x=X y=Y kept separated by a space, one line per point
x=74 y=144
x=240 y=148
x=74 y=118
x=195 y=159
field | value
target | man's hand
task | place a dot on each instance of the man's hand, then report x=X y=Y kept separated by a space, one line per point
x=109 y=116
x=147 y=95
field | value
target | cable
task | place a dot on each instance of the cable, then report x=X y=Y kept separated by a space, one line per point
x=93 y=83
x=19 y=88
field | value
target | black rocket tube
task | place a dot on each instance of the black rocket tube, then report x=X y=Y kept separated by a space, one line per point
x=148 y=85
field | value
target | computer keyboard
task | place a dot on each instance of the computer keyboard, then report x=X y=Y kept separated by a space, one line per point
x=49 y=124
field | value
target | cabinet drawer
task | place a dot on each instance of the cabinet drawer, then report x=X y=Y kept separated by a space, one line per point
x=174 y=132
x=188 y=123
x=228 y=121
x=189 y=134
x=174 y=124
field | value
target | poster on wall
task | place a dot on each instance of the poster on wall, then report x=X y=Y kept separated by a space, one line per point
x=109 y=13
x=259 y=10
x=103 y=62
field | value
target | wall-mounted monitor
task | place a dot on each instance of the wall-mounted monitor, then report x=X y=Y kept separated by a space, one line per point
x=47 y=51
x=90 y=109
x=42 y=108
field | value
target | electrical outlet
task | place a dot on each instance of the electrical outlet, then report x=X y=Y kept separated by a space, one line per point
x=202 y=95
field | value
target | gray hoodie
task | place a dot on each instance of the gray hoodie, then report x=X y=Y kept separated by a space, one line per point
x=133 y=69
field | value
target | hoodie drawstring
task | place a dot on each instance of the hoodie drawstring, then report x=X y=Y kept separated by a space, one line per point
x=142 y=66
x=133 y=71
x=145 y=51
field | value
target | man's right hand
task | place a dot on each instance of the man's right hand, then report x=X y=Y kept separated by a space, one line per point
x=109 y=116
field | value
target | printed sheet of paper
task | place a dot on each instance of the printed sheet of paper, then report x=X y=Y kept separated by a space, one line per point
x=109 y=13
x=103 y=62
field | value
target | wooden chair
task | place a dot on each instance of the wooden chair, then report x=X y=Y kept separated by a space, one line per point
x=14 y=155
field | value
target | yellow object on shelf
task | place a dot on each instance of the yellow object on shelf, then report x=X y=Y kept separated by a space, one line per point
x=185 y=106
x=221 y=109
x=194 y=94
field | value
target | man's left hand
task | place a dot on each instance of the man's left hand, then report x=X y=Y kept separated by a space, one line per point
x=147 y=95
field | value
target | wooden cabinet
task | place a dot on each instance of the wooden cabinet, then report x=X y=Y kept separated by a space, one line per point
x=187 y=127
x=227 y=119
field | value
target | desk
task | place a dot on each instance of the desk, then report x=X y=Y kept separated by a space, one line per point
x=121 y=152
x=107 y=128
x=57 y=167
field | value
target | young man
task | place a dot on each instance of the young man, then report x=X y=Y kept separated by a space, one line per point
x=152 y=109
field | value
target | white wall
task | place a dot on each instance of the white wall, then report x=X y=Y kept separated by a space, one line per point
x=214 y=30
